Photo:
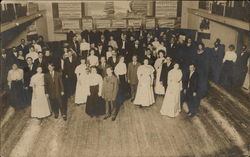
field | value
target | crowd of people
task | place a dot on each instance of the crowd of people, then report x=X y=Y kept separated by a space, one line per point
x=103 y=69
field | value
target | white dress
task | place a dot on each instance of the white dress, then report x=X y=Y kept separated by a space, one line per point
x=159 y=88
x=82 y=86
x=39 y=105
x=145 y=94
x=171 y=105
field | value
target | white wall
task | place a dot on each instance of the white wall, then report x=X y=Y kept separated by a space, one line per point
x=228 y=35
x=184 y=13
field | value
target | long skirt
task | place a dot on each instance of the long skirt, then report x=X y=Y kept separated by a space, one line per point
x=39 y=106
x=17 y=97
x=144 y=94
x=171 y=105
x=227 y=74
x=122 y=93
x=159 y=88
x=82 y=91
x=95 y=105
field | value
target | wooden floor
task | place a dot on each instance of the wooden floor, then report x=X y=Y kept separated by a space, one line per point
x=137 y=132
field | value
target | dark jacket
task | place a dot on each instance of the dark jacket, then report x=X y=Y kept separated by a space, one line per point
x=191 y=84
x=164 y=73
x=53 y=87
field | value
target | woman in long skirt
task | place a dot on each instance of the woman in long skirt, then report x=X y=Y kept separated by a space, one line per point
x=227 y=68
x=120 y=72
x=145 y=94
x=15 y=82
x=95 y=105
x=171 y=105
x=159 y=88
x=82 y=87
x=39 y=105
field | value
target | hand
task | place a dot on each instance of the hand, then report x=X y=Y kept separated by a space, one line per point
x=66 y=76
x=160 y=82
x=128 y=81
x=99 y=93
x=184 y=91
x=194 y=94
x=26 y=88
x=47 y=95
x=62 y=93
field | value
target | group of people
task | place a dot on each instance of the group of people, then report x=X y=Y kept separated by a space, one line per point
x=103 y=69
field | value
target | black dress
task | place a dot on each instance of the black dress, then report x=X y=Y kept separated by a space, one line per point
x=95 y=105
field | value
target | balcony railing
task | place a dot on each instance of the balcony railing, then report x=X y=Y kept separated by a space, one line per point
x=13 y=11
x=238 y=12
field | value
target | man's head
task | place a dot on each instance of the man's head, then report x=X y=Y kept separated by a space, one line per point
x=191 y=68
x=29 y=60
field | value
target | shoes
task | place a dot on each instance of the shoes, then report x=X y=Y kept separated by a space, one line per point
x=191 y=115
x=64 y=118
x=140 y=106
x=132 y=99
x=56 y=116
x=113 y=118
x=106 y=117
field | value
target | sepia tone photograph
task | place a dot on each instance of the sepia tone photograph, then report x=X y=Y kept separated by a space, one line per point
x=125 y=78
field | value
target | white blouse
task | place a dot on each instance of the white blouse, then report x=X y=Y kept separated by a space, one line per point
x=120 y=69
x=93 y=60
x=15 y=75
x=95 y=79
x=32 y=55
x=230 y=56
x=81 y=70
x=108 y=54
x=84 y=46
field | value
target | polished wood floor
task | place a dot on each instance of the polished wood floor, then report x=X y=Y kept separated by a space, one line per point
x=220 y=129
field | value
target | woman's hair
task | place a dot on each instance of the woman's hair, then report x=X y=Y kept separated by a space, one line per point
x=121 y=57
x=39 y=66
x=231 y=46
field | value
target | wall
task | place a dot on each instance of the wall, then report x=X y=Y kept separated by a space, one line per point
x=184 y=13
x=227 y=34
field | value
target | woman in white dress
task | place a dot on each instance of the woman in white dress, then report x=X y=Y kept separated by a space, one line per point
x=159 y=88
x=92 y=59
x=82 y=86
x=171 y=104
x=39 y=104
x=145 y=94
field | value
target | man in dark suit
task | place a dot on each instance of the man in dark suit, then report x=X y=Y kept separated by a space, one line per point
x=216 y=55
x=190 y=87
x=166 y=67
x=29 y=71
x=104 y=43
x=132 y=76
x=74 y=44
x=40 y=61
x=4 y=68
x=113 y=60
x=172 y=49
x=241 y=66
x=23 y=47
x=100 y=51
x=123 y=45
x=70 y=64
x=149 y=56
x=12 y=56
x=54 y=91
x=102 y=66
